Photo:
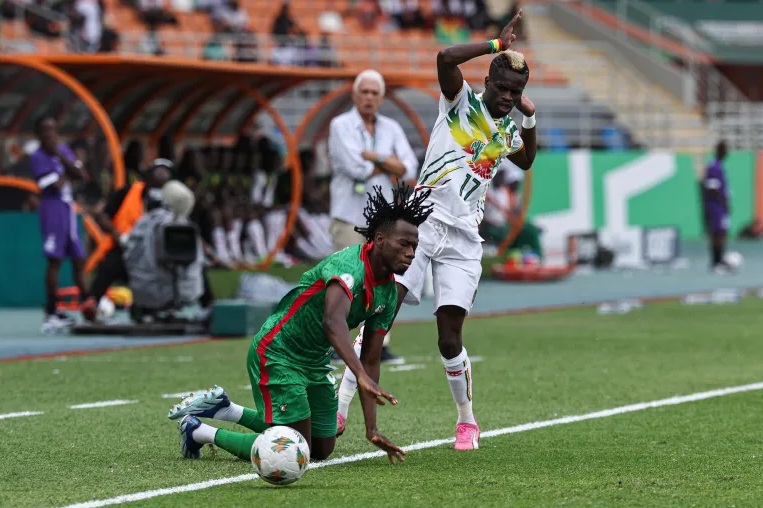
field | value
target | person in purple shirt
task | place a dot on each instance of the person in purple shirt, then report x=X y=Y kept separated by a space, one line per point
x=715 y=200
x=54 y=166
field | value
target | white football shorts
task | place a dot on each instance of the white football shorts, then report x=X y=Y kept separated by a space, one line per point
x=456 y=266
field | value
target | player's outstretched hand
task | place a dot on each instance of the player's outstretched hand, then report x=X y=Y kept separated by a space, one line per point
x=507 y=35
x=394 y=452
x=367 y=384
x=526 y=106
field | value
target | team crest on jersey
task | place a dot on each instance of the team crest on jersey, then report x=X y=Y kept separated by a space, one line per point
x=348 y=279
x=486 y=147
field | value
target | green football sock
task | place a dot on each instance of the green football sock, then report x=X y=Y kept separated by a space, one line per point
x=237 y=443
x=253 y=420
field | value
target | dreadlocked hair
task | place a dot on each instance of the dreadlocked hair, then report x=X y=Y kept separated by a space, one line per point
x=510 y=60
x=381 y=214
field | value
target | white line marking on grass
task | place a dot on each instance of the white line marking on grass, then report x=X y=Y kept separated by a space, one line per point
x=103 y=403
x=179 y=395
x=475 y=359
x=671 y=401
x=408 y=366
x=19 y=415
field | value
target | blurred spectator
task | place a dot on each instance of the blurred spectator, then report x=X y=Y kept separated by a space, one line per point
x=325 y=53
x=54 y=166
x=154 y=13
x=86 y=24
x=150 y=43
x=284 y=23
x=368 y=13
x=214 y=48
x=500 y=12
x=41 y=20
x=290 y=49
x=405 y=14
x=231 y=17
x=109 y=41
x=124 y=207
x=716 y=209
x=246 y=48
x=456 y=17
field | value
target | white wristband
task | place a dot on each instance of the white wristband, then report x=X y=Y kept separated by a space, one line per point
x=528 y=122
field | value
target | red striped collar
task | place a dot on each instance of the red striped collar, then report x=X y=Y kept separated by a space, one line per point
x=369 y=281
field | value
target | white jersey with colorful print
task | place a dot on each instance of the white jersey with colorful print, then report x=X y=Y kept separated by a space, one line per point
x=463 y=155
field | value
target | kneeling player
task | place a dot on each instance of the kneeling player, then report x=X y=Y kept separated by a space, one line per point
x=288 y=361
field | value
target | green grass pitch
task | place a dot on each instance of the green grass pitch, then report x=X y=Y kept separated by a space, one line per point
x=530 y=368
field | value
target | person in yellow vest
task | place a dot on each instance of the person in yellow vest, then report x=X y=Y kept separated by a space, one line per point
x=122 y=210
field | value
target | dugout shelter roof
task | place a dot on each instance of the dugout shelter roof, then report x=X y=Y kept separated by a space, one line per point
x=124 y=96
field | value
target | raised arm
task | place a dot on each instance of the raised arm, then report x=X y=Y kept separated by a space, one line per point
x=75 y=170
x=448 y=59
x=525 y=157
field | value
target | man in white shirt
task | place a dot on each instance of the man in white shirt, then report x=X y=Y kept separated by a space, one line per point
x=472 y=135
x=365 y=149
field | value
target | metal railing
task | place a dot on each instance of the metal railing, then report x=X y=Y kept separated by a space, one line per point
x=725 y=108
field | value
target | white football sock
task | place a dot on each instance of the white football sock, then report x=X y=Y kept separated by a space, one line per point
x=459 y=373
x=386 y=339
x=349 y=384
x=232 y=413
x=204 y=434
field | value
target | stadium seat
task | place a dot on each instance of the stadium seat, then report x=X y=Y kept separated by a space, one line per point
x=555 y=139
x=614 y=138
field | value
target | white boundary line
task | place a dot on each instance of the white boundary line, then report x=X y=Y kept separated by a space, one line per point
x=671 y=401
x=103 y=403
x=18 y=415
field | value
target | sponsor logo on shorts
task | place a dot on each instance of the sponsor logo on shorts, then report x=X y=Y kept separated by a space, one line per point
x=380 y=309
x=282 y=408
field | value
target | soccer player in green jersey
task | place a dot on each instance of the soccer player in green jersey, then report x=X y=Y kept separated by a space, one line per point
x=288 y=361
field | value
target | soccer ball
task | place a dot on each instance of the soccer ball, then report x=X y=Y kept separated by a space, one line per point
x=734 y=259
x=280 y=455
x=106 y=309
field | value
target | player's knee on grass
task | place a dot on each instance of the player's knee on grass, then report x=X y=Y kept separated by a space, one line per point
x=322 y=447
x=450 y=323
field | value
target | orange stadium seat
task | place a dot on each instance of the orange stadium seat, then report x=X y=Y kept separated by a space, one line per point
x=399 y=51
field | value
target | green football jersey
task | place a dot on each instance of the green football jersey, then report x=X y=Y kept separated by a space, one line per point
x=294 y=332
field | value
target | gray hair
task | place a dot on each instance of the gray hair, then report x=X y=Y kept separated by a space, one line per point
x=373 y=76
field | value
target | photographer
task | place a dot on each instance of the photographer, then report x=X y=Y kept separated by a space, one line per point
x=123 y=209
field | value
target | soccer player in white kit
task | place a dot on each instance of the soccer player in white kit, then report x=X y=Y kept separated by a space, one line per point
x=471 y=137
